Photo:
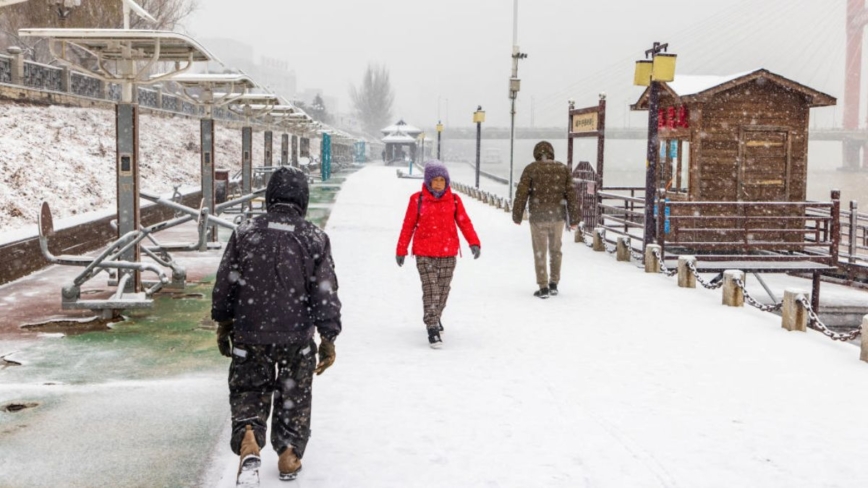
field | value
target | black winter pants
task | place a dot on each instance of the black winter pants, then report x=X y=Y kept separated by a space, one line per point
x=281 y=374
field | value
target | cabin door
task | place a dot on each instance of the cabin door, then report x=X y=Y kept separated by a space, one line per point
x=764 y=165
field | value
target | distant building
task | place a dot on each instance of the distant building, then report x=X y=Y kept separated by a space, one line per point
x=272 y=73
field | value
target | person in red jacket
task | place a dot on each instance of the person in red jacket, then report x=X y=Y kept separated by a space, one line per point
x=431 y=220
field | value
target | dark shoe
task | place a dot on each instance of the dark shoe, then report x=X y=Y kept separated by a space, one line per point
x=441 y=326
x=553 y=289
x=434 y=339
x=541 y=293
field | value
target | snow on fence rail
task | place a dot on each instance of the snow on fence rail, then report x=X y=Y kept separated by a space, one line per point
x=797 y=312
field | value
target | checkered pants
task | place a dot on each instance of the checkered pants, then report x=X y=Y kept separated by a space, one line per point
x=436 y=275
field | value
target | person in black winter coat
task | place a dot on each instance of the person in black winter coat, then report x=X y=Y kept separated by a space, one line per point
x=275 y=285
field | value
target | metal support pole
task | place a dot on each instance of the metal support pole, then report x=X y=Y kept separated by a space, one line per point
x=512 y=139
x=651 y=167
x=438 y=145
x=246 y=160
x=207 y=168
x=129 y=217
x=268 y=162
x=836 y=226
x=854 y=222
x=478 y=149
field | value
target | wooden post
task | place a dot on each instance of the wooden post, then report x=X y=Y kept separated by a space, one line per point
x=864 y=355
x=794 y=317
x=599 y=244
x=686 y=278
x=733 y=295
x=623 y=253
x=652 y=265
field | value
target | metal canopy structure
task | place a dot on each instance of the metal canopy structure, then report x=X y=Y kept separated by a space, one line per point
x=117 y=52
x=125 y=57
x=250 y=106
x=229 y=87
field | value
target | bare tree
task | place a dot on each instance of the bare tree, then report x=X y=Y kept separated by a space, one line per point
x=104 y=14
x=373 y=99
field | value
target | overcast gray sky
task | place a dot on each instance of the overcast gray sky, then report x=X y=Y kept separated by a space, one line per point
x=459 y=50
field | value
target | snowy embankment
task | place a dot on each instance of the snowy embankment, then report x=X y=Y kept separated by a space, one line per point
x=624 y=380
x=66 y=156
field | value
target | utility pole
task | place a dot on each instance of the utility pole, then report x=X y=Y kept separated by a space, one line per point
x=514 y=87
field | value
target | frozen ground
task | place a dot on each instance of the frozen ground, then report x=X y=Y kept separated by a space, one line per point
x=624 y=380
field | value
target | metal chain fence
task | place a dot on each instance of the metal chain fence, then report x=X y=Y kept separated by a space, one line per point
x=749 y=299
x=815 y=323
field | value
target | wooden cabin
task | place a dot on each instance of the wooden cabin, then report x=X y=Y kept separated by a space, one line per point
x=739 y=138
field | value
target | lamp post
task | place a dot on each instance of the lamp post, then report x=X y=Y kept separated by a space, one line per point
x=439 y=132
x=650 y=72
x=478 y=119
x=514 y=87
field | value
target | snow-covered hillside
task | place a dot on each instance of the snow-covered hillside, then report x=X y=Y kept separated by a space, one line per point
x=66 y=156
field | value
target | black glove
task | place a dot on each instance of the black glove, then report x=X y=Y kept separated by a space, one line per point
x=224 y=338
x=475 y=251
x=326 y=354
x=399 y=260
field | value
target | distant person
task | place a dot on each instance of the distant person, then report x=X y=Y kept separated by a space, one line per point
x=275 y=284
x=432 y=219
x=547 y=186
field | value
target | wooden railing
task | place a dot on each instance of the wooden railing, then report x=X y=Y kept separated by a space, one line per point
x=768 y=231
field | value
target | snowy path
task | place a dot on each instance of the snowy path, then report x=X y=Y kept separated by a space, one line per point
x=624 y=380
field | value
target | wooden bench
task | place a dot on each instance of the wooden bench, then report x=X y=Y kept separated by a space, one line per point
x=748 y=266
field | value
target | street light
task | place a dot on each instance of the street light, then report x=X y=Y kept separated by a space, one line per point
x=660 y=68
x=514 y=87
x=478 y=119
x=439 y=132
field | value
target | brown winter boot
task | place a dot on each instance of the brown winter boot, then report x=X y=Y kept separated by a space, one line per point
x=288 y=464
x=249 y=454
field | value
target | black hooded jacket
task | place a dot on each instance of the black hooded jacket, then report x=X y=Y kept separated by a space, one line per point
x=277 y=278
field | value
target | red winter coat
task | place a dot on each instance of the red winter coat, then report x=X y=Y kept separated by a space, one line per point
x=433 y=225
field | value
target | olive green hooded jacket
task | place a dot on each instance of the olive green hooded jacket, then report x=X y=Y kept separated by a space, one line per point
x=546 y=186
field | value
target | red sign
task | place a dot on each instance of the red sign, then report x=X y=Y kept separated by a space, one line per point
x=673 y=118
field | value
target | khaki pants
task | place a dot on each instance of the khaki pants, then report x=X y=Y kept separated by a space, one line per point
x=546 y=238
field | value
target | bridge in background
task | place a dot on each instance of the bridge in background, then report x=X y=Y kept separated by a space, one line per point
x=621 y=133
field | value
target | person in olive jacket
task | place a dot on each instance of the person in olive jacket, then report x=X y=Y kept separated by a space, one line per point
x=430 y=221
x=275 y=285
x=546 y=187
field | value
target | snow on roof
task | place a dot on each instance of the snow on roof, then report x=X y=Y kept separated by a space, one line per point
x=402 y=127
x=398 y=137
x=692 y=84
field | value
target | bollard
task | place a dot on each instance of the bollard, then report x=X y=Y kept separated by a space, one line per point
x=599 y=244
x=17 y=64
x=794 y=317
x=623 y=246
x=864 y=355
x=652 y=265
x=733 y=295
x=686 y=278
x=506 y=207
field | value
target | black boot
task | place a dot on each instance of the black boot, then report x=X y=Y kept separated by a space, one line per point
x=434 y=339
x=541 y=293
x=553 y=289
x=441 y=325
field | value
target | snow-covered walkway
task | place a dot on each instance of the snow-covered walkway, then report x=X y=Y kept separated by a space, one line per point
x=624 y=380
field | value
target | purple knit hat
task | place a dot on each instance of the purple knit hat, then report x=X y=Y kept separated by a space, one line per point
x=433 y=169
